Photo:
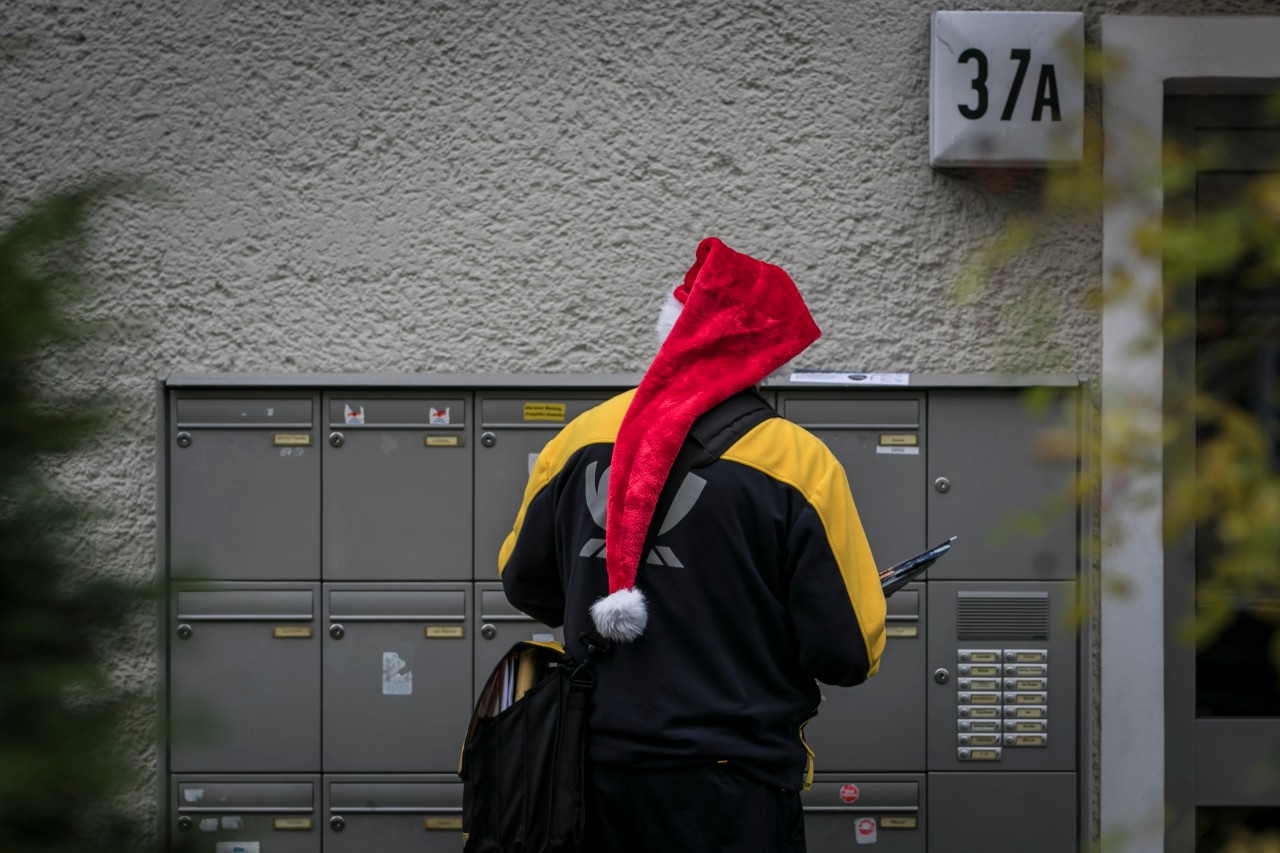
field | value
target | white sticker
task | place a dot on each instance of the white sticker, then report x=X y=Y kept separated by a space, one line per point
x=209 y=824
x=232 y=822
x=543 y=638
x=533 y=457
x=438 y=416
x=865 y=830
x=353 y=414
x=899 y=451
x=236 y=847
x=836 y=378
x=193 y=795
x=396 y=681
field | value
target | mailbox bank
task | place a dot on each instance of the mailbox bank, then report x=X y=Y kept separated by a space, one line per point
x=330 y=543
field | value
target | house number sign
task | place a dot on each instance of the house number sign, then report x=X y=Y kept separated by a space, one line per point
x=1006 y=89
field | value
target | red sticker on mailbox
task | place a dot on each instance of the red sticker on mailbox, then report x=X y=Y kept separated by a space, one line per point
x=849 y=794
x=865 y=830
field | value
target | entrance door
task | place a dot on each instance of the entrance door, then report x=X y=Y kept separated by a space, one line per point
x=1223 y=691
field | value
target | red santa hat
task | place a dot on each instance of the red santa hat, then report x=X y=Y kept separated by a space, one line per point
x=734 y=321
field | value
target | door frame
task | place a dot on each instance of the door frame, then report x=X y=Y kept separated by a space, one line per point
x=1158 y=53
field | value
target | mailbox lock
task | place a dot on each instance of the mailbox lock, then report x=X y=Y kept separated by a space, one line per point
x=337 y=632
x=488 y=439
x=337 y=439
x=942 y=484
x=184 y=631
x=337 y=824
x=941 y=675
x=488 y=632
x=184 y=823
x=184 y=439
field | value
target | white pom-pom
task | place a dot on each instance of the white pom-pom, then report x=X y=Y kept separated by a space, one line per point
x=621 y=616
x=667 y=315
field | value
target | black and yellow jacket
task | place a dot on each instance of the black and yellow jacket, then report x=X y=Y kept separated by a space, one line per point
x=759 y=581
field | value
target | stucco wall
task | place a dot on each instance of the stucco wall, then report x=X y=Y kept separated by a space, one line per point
x=483 y=186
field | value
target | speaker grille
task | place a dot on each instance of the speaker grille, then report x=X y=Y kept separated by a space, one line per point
x=1002 y=615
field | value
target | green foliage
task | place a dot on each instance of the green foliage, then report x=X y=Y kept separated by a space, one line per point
x=59 y=714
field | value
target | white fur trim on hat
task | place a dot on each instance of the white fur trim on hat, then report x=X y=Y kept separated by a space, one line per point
x=667 y=315
x=621 y=616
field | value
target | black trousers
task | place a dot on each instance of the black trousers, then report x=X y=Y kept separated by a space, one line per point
x=714 y=809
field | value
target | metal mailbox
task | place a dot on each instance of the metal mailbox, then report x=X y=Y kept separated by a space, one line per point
x=1003 y=813
x=397 y=676
x=846 y=734
x=995 y=463
x=397 y=487
x=245 y=814
x=244 y=678
x=882 y=447
x=393 y=814
x=513 y=430
x=244 y=487
x=843 y=812
x=499 y=626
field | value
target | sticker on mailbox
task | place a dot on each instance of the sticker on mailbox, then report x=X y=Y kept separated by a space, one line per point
x=544 y=411
x=438 y=417
x=396 y=679
x=865 y=830
x=849 y=794
x=353 y=414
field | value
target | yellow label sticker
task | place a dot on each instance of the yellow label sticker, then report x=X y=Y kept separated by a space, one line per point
x=984 y=657
x=985 y=699
x=902 y=630
x=1035 y=713
x=443 y=441
x=898 y=440
x=291 y=439
x=292 y=632
x=1029 y=684
x=985 y=755
x=443 y=823
x=1029 y=657
x=544 y=411
x=1028 y=727
x=984 y=740
x=1029 y=740
x=293 y=824
x=984 y=712
x=436 y=632
x=1028 y=699
x=979 y=671
x=898 y=822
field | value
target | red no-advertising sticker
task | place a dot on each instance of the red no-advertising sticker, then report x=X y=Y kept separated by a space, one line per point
x=849 y=794
x=865 y=830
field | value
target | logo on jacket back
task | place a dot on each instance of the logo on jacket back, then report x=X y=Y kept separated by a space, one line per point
x=598 y=502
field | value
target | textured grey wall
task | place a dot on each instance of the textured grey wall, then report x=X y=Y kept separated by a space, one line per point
x=484 y=186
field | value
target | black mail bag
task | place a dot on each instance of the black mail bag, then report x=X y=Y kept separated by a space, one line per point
x=523 y=760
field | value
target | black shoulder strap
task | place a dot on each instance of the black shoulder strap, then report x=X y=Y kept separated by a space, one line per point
x=709 y=437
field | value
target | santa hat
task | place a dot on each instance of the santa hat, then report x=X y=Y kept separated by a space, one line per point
x=734 y=321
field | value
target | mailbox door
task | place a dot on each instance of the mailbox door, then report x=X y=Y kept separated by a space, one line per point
x=844 y=811
x=513 y=430
x=244 y=678
x=222 y=814
x=879 y=441
x=1024 y=718
x=397 y=677
x=499 y=626
x=1003 y=812
x=397 y=488
x=849 y=732
x=393 y=814
x=244 y=487
x=1001 y=478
